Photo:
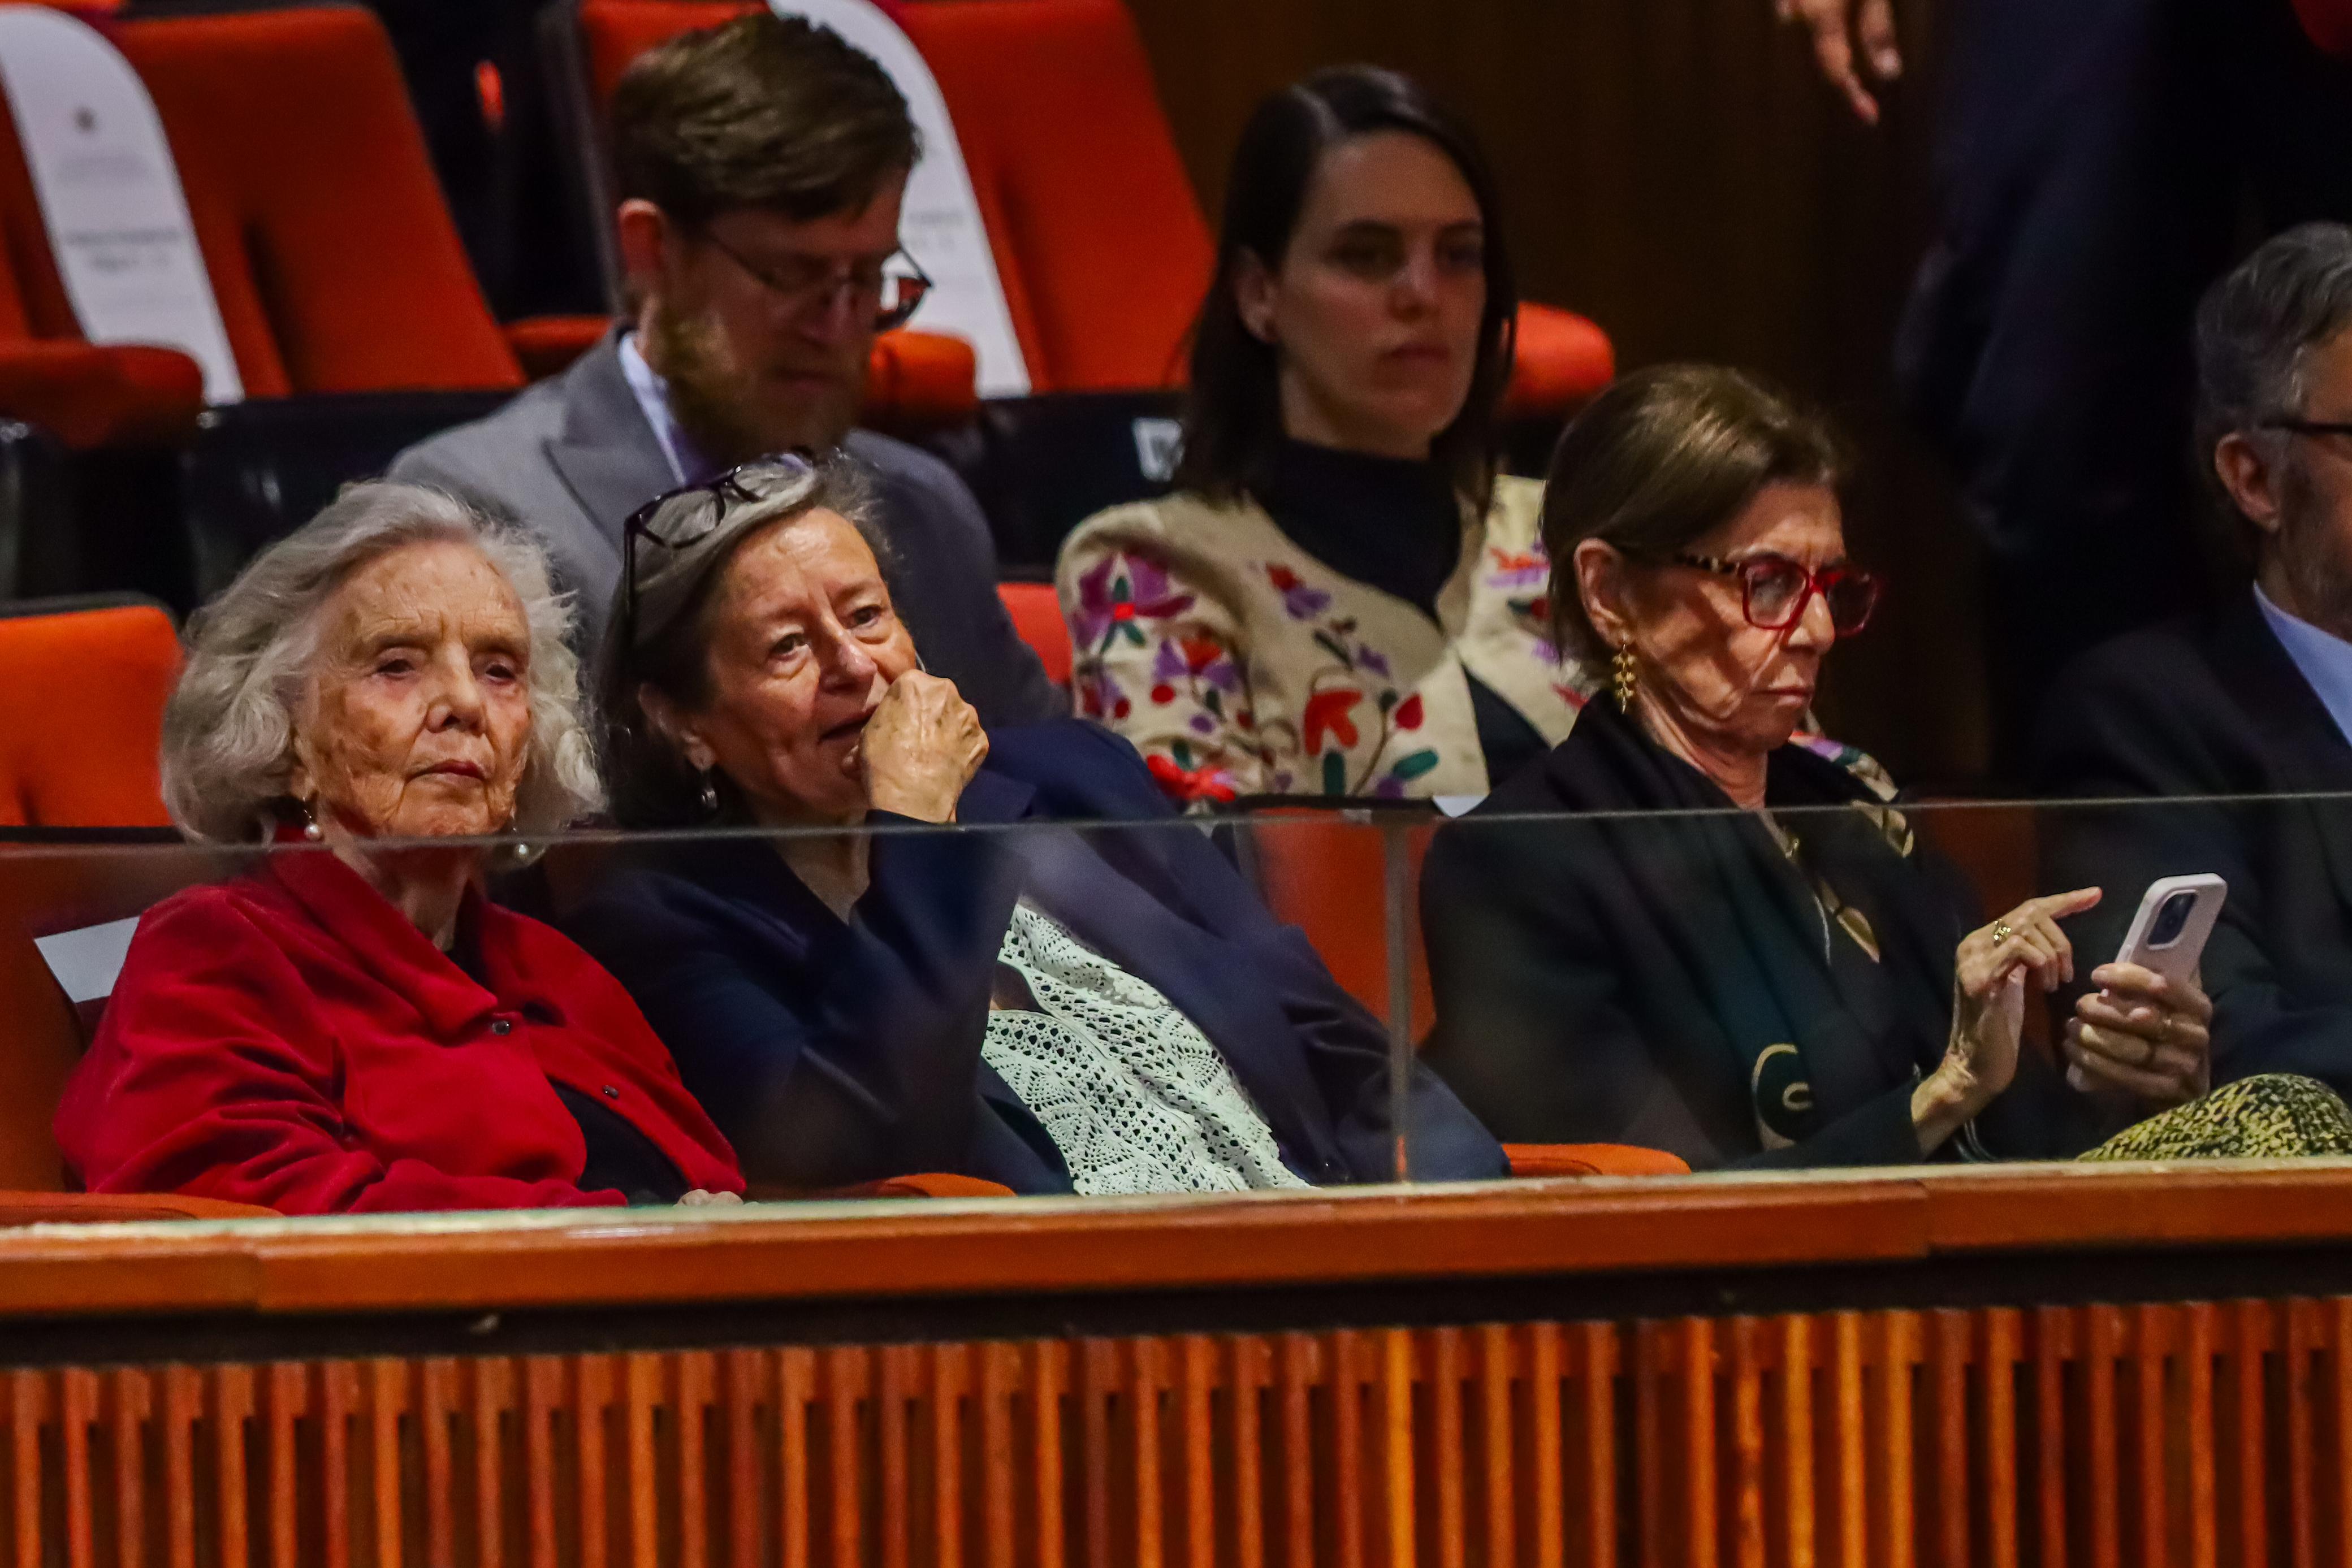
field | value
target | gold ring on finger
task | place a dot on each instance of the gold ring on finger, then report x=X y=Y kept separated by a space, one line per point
x=2002 y=932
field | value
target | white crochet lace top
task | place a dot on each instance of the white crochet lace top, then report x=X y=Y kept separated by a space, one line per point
x=1132 y=1093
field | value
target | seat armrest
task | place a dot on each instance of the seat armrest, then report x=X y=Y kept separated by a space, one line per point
x=1562 y=360
x=1590 y=1159
x=546 y=345
x=920 y=381
x=920 y=1183
x=116 y=1207
x=91 y=395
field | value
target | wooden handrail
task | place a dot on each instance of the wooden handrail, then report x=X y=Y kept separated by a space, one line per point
x=816 y=1252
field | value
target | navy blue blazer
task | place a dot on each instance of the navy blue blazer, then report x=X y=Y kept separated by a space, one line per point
x=832 y=1053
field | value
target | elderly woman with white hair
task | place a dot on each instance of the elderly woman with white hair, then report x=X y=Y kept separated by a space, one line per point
x=357 y=1028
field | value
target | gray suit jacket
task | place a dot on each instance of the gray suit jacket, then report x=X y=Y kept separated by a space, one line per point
x=573 y=456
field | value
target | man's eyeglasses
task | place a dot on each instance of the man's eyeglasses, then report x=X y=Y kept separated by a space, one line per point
x=892 y=287
x=2308 y=426
x=1775 y=591
x=682 y=518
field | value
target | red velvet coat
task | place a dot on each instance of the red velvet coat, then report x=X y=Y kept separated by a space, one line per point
x=290 y=1038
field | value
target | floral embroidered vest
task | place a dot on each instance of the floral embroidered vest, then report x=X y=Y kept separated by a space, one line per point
x=1240 y=664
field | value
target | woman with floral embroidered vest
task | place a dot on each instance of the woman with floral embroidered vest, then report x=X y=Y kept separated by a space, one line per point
x=1728 y=943
x=1342 y=597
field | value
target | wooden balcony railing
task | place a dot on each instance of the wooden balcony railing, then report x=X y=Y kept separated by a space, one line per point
x=2018 y=1366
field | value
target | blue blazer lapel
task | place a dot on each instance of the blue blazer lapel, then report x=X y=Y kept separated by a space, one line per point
x=607 y=455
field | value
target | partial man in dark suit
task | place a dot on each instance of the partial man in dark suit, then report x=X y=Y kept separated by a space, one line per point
x=2096 y=165
x=2251 y=699
x=762 y=165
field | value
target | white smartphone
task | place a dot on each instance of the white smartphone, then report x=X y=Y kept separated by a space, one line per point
x=2175 y=917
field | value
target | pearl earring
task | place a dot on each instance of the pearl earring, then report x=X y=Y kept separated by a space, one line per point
x=710 y=794
x=311 y=829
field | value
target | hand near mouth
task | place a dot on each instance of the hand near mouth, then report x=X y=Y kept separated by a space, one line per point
x=920 y=747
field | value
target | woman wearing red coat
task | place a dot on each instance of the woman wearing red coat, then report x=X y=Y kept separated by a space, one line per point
x=356 y=1028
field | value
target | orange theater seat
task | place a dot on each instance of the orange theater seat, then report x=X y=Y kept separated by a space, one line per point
x=81 y=714
x=1097 y=305
x=1327 y=875
x=1037 y=616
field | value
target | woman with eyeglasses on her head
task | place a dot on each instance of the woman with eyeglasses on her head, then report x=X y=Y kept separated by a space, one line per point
x=1743 y=954
x=1098 y=1011
x=1342 y=597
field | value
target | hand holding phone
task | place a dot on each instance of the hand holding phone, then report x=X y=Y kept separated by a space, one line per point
x=2175 y=915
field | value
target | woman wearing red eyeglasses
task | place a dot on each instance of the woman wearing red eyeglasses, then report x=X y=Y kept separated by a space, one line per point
x=1726 y=942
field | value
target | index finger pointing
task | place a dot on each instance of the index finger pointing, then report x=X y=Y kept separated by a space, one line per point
x=2058 y=905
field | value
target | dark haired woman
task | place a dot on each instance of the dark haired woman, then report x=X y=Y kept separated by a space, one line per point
x=1342 y=597
x=1744 y=956
x=1055 y=1009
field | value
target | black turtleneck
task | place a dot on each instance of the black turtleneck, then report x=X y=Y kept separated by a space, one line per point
x=1393 y=524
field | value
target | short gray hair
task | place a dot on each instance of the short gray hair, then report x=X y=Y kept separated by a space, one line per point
x=2255 y=330
x=229 y=730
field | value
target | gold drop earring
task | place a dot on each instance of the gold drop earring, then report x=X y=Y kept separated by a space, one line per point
x=1621 y=676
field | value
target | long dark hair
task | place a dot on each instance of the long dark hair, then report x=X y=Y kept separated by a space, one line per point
x=1232 y=414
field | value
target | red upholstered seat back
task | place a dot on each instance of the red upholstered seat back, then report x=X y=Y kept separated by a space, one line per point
x=1328 y=877
x=330 y=251
x=1037 y=615
x=81 y=716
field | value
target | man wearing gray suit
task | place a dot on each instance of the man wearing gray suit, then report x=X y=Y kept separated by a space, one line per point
x=761 y=164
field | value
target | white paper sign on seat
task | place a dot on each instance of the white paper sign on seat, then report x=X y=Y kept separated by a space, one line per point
x=942 y=223
x=110 y=193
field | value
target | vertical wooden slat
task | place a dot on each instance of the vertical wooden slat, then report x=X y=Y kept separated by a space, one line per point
x=2297 y=1386
x=2103 y=1338
x=1698 y=1345
x=436 y=1401
x=1297 y=1451
x=290 y=1391
x=1251 y=1359
x=183 y=1397
x=2197 y=1337
x=2339 y=1361
x=77 y=1412
x=697 y=1379
x=895 y=1376
x=1500 y=1489
x=2050 y=1341
x=1600 y=1355
x=845 y=1383
x=745 y=1372
x=1647 y=1373
x=1147 y=1371
x=131 y=1402
x=1343 y=1375
x=2253 y=1433
x=233 y=1401
x=1199 y=1361
x=1797 y=1437
x=1050 y=1359
x=1097 y=1377
x=949 y=1378
x=490 y=1393
x=641 y=1378
x=543 y=1382
x=2147 y=1358
x=1450 y=1459
x=1853 y=1456
x=795 y=1386
x=1953 y=1487
x=593 y=1399
x=2002 y=1341
x=1000 y=1380
x=1747 y=1445
x=388 y=1397
x=1901 y=1353
x=25 y=1463
x=1396 y=1372
x=338 y=1407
